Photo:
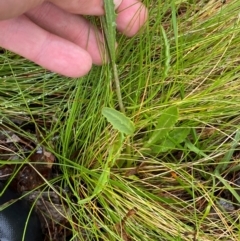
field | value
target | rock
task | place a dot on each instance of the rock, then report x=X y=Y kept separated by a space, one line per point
x=14 y=218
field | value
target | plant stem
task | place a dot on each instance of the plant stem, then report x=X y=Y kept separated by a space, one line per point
x=118 y=88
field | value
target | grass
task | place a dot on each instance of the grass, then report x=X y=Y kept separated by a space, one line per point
x=187 y=57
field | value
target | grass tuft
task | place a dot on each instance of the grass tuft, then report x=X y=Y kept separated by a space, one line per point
x=186 y=59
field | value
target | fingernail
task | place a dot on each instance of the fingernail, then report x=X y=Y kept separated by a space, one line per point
x=117 y=3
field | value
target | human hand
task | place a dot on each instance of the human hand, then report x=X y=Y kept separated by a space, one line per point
x=55 y=35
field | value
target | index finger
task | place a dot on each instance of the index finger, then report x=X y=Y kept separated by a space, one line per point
x=132 y=15
x=13 y=8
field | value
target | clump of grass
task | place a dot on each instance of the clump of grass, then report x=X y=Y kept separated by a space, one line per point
x=187 y=57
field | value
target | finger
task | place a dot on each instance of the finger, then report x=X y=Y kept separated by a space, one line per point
x=25 y=38
x=72 y=27
x=131 y=17
x=90 y=7
x=13 y=8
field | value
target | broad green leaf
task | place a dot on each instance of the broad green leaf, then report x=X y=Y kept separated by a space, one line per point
x=163 y=147
x=118 y=120
x=178 y=135
x=165 y=123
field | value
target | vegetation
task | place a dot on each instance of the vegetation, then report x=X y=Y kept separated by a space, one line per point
x=173 y=173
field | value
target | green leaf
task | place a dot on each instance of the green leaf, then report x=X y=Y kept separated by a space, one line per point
x=178 y=135
x=165 y=123
x=163 y=147
x=118 y=120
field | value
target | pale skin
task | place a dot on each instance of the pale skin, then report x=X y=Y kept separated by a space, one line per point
x=55 y=35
